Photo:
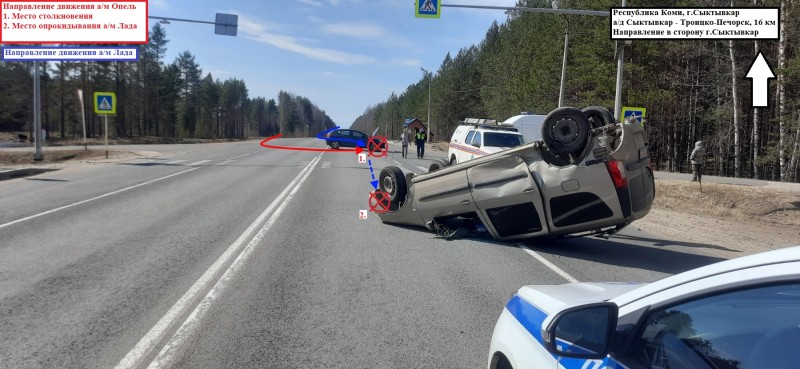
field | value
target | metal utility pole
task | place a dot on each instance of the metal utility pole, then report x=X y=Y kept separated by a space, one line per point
x=564 y=65
x=430 y=125
x=620 y=59
x=37 y=113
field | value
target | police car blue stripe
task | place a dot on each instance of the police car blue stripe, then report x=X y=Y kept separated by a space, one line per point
x=531 y=318
x=528 y=315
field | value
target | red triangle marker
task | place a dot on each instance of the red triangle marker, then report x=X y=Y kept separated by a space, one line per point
x=359 y=150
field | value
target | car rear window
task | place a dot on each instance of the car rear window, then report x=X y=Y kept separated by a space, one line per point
x=497 y=139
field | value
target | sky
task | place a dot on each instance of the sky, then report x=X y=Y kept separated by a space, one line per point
x=343 y=55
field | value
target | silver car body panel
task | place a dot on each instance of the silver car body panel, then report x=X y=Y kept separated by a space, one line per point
x=504 y=187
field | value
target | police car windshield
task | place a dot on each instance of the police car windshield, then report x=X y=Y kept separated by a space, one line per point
x=502 y=139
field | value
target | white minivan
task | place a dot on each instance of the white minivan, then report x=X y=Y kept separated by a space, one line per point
x=478 y=137
x=528 y=125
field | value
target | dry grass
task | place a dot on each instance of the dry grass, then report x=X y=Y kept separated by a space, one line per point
x=730 y=201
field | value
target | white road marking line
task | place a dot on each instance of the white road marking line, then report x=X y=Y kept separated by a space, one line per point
x=398 y=163
x=199 y=162
x=548 y=264
x=175 y=162
x=326 y=165
x=240 y=156
x=145 y=346
x=93 y=198
x=422 y=168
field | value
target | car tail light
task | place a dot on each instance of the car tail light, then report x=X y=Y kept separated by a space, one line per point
x=328 y=135
x=616 y=169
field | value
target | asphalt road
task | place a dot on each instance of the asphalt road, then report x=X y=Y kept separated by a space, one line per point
x=237 y=256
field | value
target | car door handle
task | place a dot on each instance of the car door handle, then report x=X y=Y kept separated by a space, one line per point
x=465 y=202
x=530 y=190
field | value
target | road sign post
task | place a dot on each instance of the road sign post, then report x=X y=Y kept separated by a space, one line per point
x=37 y=113
x=83 y=118
x=105 y=103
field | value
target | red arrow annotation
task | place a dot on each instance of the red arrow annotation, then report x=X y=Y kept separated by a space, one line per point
x=264 y=144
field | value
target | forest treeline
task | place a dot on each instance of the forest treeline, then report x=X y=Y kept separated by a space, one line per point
x=693 y=90
x=170 y=100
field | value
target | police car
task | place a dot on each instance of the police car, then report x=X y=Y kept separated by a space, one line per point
x=737 y=314
x=478 y=137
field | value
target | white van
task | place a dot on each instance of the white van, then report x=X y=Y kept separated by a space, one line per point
x=529 y=125
x=478 y=137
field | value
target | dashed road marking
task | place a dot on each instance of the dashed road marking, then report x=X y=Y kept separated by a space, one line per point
x=326 y=165
x=199 y=162
x=174 y=162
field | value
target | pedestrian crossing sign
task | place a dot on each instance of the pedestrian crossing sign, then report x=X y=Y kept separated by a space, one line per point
x=105 y=103
x=632 y=114
x=428 y=8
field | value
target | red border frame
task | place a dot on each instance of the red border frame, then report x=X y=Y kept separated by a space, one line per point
x=146 y=32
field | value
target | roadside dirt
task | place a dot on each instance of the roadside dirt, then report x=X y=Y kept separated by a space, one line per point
x=137 y=140
x=733 y=219
x=69 y=158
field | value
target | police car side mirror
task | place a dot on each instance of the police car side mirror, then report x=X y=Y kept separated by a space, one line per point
x=583 y=331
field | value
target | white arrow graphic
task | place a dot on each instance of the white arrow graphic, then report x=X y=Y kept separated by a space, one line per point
x=760 y=72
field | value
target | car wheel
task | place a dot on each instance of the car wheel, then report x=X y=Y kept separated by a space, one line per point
x=437 y=164
x=499 y=361
x=334 y=144
x=393 y=182
x=565 y=130
x=598 y=116
x=453 y=160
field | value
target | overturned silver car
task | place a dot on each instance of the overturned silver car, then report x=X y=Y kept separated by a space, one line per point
x=587 y=175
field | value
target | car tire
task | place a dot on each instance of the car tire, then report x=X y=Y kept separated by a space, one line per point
x=335 y=145
x=598 y=116
x=437 y=164
x=393 y=182
x=499 y=361
x=565 y=131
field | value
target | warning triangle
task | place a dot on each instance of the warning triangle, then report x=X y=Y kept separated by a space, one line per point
x=104 y=104
x=428 y=6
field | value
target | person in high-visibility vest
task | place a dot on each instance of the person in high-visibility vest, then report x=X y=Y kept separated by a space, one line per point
x=420 y=141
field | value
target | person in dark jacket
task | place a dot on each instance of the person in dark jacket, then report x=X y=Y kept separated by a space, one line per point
x=698 y=157
x=420 y=141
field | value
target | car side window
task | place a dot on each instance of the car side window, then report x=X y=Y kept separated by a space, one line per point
x=344 y=133
x=468 y=140
x=476 y=141
x=358 y=135
x=755 y=328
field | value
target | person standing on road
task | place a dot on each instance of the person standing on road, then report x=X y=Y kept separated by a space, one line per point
x=404 y=141
x=698 y=157
x=420 y=140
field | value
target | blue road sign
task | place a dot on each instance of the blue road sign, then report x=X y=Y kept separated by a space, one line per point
x=631 y=114
x=105 y=103
x=428 y=8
